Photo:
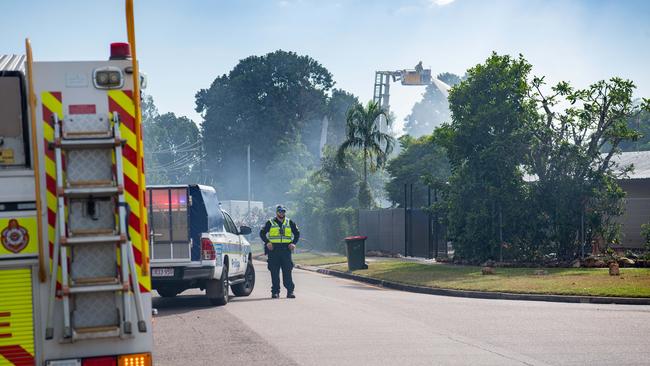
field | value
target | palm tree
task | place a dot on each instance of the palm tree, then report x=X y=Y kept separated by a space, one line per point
x=363 y=134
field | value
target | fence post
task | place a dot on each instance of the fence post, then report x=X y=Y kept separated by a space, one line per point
x=582 y=232
x=429 y=236
x=435 y=196
x=410 y=243
x=406 y=236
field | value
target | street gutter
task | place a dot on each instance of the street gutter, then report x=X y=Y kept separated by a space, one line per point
x=479 y=294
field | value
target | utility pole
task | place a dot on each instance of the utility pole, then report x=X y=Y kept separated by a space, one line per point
x=202 y=177
x=248 y=159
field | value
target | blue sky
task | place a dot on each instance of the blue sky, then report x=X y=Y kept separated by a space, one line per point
x=184 y=45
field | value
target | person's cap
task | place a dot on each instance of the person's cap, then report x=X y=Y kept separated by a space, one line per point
x=280 y=208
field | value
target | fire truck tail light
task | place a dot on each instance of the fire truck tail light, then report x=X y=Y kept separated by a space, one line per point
x=207 y=250
x=100 y=361
x=138 y=359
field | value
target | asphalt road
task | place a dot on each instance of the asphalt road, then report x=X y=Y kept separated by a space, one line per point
x=340 y=322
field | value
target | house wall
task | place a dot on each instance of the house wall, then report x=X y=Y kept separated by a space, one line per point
x=637 y=211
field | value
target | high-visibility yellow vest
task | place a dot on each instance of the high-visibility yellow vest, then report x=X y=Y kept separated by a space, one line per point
x=280 y=236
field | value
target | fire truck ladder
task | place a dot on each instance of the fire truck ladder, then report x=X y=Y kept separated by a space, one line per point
x=92 y=215
x=378 y=92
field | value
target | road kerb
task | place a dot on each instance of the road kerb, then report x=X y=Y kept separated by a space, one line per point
x=479 y=294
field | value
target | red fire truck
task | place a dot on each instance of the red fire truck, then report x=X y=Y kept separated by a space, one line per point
x=74 y=261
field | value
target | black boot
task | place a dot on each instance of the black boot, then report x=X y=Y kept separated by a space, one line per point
x=275 y=296
x=291 y=295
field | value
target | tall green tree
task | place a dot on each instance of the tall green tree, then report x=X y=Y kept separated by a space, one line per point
x=641 y=124
x=419 y=161
x=363 y=134
x=487 y=142
x=173 y=150
x=326 y=199
x=149 y=114
x=337 y=108
x=172 y=146
x=341 y=181
x=505 y=124
x=572 y=155
x=269 y=102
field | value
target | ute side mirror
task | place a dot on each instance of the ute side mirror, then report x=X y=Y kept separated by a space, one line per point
x=244 y=230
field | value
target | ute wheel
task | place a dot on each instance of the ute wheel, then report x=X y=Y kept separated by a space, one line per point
x=217 y=290
x=245 y=288
x=168 y=291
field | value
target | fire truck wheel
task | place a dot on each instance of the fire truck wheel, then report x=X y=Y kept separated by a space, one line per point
x=217 y=290
x=246 y=288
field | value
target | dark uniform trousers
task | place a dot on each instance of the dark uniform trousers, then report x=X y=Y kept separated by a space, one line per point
x=280 y=259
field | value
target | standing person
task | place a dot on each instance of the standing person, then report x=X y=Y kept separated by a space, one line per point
x=419 y=67
x=280 y=236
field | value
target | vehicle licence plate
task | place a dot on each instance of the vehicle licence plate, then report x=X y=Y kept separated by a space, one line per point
x=6 y=156
x=162 y=272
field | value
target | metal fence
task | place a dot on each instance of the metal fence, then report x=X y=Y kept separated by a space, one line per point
x=384 y=228
x=409 y=232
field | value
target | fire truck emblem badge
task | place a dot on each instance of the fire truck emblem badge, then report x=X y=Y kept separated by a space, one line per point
x=14 y=237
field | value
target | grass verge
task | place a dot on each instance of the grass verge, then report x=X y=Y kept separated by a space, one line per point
x=317 y=259
x=633 y=282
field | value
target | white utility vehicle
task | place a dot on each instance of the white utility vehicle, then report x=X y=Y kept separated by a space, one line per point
x=195 y=244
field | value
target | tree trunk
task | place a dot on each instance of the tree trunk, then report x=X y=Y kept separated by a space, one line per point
x=365 y=163
x=365 y=197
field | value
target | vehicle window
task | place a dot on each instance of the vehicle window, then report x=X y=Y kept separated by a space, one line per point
x=178 y=207
x=160 y=218
x=230 y=225
x=215 y=218
x=14 y=142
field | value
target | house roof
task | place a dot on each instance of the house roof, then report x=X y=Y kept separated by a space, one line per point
x=640 y=160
